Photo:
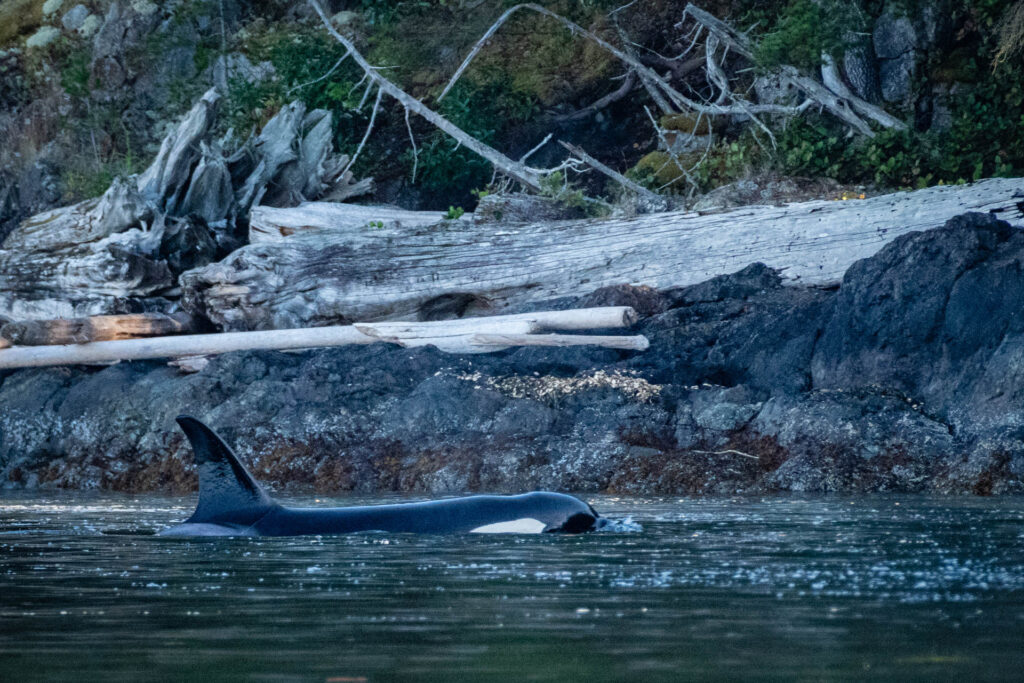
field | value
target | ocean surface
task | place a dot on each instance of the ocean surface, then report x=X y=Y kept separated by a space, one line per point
x=776 y=588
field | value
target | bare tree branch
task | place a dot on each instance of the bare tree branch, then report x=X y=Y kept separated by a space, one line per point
x=656 y=201
x=536 y=148
x=644 y=72
x=369 y=129
x=839 y=105
x=628 y=83
x=415 y=150
x=520 y=172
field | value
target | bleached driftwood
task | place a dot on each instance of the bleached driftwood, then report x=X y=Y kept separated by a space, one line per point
x=472 y=335
x=479 y=335
x=360 y=274
x=95 y=328
x=179 y=151
x=269 y=224
x=111 y=255
x=87 y=259
x=634 y=343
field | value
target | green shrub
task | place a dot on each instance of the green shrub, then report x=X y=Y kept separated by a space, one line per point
x=984 y=141
x=806 y=29
x=301 y=57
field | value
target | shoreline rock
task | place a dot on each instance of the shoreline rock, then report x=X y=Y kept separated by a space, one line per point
x=908 y=377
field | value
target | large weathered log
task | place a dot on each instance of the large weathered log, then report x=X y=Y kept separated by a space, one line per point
x=339 y=275
x=95 y=328
x=480 y=335
x=111 y=255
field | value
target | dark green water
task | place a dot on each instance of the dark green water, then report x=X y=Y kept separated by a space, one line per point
x=769 y=589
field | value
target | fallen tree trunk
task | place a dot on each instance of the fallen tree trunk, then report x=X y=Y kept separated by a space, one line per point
x=478 y=335
x=96 y=328
x=333 y=276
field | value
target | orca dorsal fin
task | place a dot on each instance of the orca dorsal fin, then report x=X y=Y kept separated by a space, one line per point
x=227 y=492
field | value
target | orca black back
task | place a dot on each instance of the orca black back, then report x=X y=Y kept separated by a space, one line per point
x=232 y=503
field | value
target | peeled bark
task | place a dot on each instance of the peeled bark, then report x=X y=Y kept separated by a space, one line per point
x=332 y=276
x=96 y=328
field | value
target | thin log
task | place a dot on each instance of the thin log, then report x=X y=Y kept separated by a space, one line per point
x=96 y=328
x=395 y=332
x=360 y=275
x=423 y=333
x=4 y=344
x=175 y=347
x=633 y=343
x=598 y=318
x=465 y=341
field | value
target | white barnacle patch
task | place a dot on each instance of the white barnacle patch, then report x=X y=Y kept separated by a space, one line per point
x=526 y=525
x=553 y=388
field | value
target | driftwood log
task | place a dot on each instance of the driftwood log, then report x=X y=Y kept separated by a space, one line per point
x=322 y=275
x=477 y=335
x=96 y=328
x=268 y=224
x=118 y=253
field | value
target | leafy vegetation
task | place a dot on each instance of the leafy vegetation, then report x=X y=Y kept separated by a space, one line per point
x=303 y=61
x=806 y=29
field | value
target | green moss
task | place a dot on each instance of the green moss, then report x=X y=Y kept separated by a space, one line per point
x=658 y=171
x=688 y=123
x=74 y=72
x=18 y=19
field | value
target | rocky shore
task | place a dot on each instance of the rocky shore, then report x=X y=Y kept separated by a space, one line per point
x=908 y=376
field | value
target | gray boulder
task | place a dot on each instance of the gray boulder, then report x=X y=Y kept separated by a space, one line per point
x=75 y=17
x=895 y=43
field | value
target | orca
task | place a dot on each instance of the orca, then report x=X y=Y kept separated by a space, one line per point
x=232 y=503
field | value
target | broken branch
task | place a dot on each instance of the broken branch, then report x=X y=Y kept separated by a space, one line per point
x=509 y=167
